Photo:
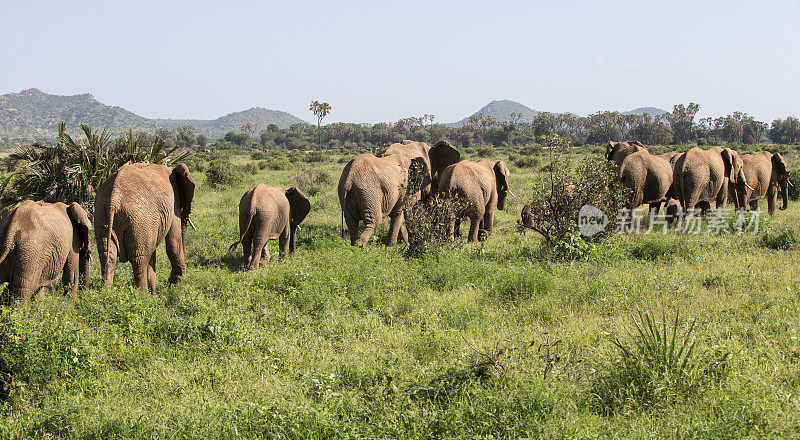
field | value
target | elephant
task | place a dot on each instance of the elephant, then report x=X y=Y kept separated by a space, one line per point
x=648 y=176
x=618 y=151
x=267 y=212
x=765 y=172
x=703 y=176
x=436 y=158
x=482 y=187
x=39 y=240
x=136 y=209
x=372 y=188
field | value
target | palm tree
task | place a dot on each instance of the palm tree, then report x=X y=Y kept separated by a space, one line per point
x=320 y=111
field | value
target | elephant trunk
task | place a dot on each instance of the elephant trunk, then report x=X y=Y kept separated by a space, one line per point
x=292 y=237
x=501 y=199
x=785 y=194
x=84 y=257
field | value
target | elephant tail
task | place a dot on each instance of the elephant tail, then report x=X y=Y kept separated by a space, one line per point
x=250 y=216
x=7 y=243
x=342 y=202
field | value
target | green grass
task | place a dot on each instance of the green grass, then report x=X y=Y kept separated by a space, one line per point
x=339 y=342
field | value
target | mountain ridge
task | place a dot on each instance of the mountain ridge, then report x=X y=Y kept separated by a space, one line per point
x=503 y=108
x=33 y=114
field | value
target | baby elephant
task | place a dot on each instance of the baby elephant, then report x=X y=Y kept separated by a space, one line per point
x=40 y=240
x=266 y=213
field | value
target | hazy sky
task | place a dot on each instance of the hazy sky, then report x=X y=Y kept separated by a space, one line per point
x=380 y=61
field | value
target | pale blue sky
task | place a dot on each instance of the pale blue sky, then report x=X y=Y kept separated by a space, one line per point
x=380 y=61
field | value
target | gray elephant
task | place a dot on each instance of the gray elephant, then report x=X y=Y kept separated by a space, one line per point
x=265 y=213
x=702 y=176
x=39 y=241
x=372 y=188
x=618 y=151
x=437 y=158
x=765 y=172
x=136 y=209
x=649 y=178
x=480 y=187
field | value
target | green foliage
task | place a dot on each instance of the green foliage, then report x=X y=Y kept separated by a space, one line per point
x=427 y=225
x=655 y=363
x=221 y=173
x=572 y=246
x=73 y=169
x=312 y=181
x=780 y=237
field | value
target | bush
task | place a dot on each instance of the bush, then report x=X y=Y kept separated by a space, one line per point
x=251 y=169
x=485 y=151
x=427 y=225
x=780 y=238
x=312 y=182
x=527 y=162
x=656 y=362
x=257 y=155
x=794 y=189
x=221 y=172
x=315 y=157
x=561 y=192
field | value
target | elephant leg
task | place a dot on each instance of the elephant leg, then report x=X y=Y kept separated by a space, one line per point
x=352 y=226
x=23 y=290
x=404 y=233
x=141 y=272
x=70 y=274
x=174 y=241
x=151 y=273
x=259 y=243
x=283 y=242
x=474 y=227
x=457 y=227
x=487 y=223
x=247 y=242
x=370 y=225
x=772 y=199
x=395 y=221
x=754 y=205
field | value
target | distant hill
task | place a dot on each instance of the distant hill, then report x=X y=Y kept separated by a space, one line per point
x=32 y=114
x=217 y=128
x=642 y=110
x=502 y=110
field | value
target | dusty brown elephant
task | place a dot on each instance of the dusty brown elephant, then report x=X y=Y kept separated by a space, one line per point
x=265 y=213
x=482 y=187
x=136 y=209
x=765 y=172
x=703 y=176
x=372 y=188
x=39 y=241
x=436 y=158
x=649 y=178
x=618 y=151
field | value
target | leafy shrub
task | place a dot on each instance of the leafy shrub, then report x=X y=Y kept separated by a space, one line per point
x=561 y=192
x=426 y=223
x=315 y=156
x=780 y=238
x=221 y=172
x=531 y=150
x=656 y=248
x=572 y=246
x=312 y=182
x=527 y=162
x=656 y=362
x=794 y=189
x=485 y=151
x=251 y=169
x=257 y=155
x=73 y=168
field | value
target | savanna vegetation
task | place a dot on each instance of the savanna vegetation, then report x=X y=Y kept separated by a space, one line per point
x=628 y=336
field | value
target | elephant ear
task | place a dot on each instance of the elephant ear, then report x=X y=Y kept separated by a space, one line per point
x=501 y=175
x=636 y=143
x=185 y=186
x=80 y=223
x=779 y=165
x=298 y=205
x=727 y=159
x=610 y=148
x=442 y=155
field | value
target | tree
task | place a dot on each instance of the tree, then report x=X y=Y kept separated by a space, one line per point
x=681 y=120
x=785 y=131
x=320 y=110
x=185 y=138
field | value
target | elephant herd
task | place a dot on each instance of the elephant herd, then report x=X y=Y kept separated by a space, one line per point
x=141 y=205
x=697 y=178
